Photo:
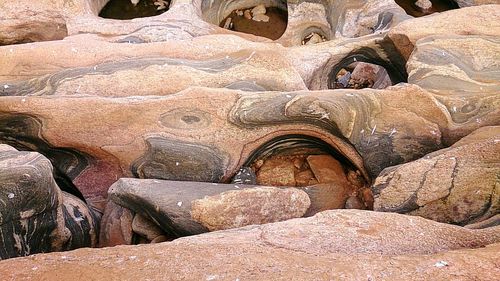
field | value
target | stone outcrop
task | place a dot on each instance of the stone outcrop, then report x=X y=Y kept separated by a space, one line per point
x=175 y=209
x=35 y=215
x=453 y=22
x=167 y=110
x=336 y=244
x=458 y=185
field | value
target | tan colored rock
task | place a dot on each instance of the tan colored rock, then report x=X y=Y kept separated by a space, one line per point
x=276 y=172
x=26 y=21
x=259 y=10
x=468 y=3
x=331 y=245
x=259 y=205
x=453 y=22
x=259 y=17
x=493 y=221
x=456 y=185
x=224 y=127
x=423 y=4
x=247 y=14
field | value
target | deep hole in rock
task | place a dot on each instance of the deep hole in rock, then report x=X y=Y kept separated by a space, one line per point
x=129 y=9
x=366 y=69
x=262 y=18
x=330 y=179
x=314 y=36
x=359 y=75
x=419 y=8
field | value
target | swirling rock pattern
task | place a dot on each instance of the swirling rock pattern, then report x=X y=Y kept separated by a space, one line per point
x=458 y=185
x=177 y=97
x=35 y=215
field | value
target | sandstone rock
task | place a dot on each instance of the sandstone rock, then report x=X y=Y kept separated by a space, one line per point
x=259 y=10
x=135 y=111
x=456 y=185
x=116 y=226
x=327 y=196
x=260 y=17
x=369 y=75
x=145 y=227
x=160 y=239
x=247 y=14
x=227 y=24
x=334 y=244
x=353 y=202
x=444 y=64
x=276 y=172
x=468 y=3
x=453 y=22
x=326 y=169
x=314 y=38
x=236 y=208
x=493 y=221
x=36 y=216
x=138 y=143
x=423 y=4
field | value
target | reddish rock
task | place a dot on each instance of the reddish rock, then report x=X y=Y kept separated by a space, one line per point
x=276 y=172
x=326 y=169
x=116 y=226
x=258 y=205
x=346 y=244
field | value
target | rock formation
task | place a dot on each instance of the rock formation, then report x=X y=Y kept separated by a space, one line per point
x=144 y=121
x=35 y=215
x=349 y=244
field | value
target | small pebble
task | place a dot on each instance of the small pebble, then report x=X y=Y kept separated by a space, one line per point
x=259 y=10
x=260 y=17
x=424 y=4
x=441 y=264
x=247 y=14
x=227 y=24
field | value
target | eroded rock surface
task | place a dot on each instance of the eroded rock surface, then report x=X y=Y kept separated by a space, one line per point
x=458 y=185
x=35 y=215
x=334 y=244
x=259 y=205
x=355 y=87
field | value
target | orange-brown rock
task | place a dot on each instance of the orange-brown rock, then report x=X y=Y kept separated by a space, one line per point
x=349 y=245
x=116 y=226
x=260 y=205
